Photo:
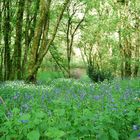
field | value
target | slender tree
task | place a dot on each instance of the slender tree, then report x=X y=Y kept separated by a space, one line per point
x=16 y=67
x=1 y=48
x=6 y=33
x=72 y=27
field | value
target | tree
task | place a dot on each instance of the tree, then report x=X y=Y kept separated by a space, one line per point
x=41 y=42
x=112 y=30
x=18 y=42
x=107 y=31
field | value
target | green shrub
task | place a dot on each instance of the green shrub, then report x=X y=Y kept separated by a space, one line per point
x=99 y=75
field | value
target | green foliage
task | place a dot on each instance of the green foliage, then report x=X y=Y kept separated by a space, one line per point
x=70 y=109
x=98 y=75
x=44 y=75
x=33 y=135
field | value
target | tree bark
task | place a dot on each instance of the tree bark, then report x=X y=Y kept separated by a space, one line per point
x=127 y=54
x=1 y=65
x=1 y=48
x=121 y=55
x=37 y=54
x=137 y=50
x=7 y=28
x=17 y=69
x=29 y=33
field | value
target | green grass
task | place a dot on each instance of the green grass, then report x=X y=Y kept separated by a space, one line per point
x=67 y=109
x=45 y=76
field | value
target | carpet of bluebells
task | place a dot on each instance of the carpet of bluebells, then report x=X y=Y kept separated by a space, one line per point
x=65 y=109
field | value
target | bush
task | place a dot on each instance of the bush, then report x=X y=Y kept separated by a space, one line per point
x=99 y=75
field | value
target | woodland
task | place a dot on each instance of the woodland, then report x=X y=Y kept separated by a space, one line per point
x=107 y=33
x=69 y=69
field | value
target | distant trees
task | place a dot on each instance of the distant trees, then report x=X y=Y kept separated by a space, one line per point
x=74 y=17
x=107 y=33
x=110 y=39
x=128 y=31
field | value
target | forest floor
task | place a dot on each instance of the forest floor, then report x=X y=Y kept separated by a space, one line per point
x=70 y=109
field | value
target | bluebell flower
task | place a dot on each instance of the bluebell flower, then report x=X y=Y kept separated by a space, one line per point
x=82 y=96
x=28 y=97
x=24 y=121
x=96 y=97
x=15 y=97
x=112 y=100
x=49 y=112
x=135 y=127
x=43 y=97
x=9 y=114
x=114 y=109
x=139 y=135
x=25 y=107
x=125 y=111
x=56 y=91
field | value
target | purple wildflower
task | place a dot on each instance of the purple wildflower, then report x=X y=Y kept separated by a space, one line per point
x=15 y=97
x=114 y=109
x=82 y=96
x=135 y=127
x=9 y=114
x=117 y=87
x=24 y=121
x=96 y=97
x=25 y=107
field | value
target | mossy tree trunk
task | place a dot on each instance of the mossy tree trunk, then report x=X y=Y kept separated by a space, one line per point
x=30 y=23
x=17 y=69
x=6 y=33
x=137 y=49
x=41 y=42
x=1 y=64
x=1 y=48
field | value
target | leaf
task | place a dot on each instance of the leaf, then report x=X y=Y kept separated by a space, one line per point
x=114 y=134
x=134 y=135
x=54 y=133
x=60 y=112
x=25 y=116
x=102 y=136
x=40 y=114
x=16 y=111
x=33 y=135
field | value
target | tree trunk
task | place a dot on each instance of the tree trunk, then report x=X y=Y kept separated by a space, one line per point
x=1 y=48
x=137 y=52
x=121 y=55
x=127 y=54
x=18 y=42
x=137 y=62
x=1 y=64
x=7 y=28
x=37 y=54
x=37 y=38
x=29 y=33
